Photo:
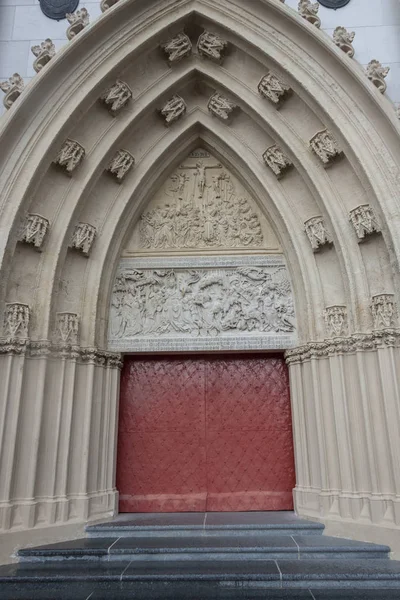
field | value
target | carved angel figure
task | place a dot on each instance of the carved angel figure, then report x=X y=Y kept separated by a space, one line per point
x=376 y=73
x=344 y=39
x=12 y=88
x=44 y=53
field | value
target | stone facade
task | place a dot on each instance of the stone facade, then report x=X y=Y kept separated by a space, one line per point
x=199 y=191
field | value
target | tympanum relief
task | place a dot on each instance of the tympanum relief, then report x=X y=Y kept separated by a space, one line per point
x=202 y=207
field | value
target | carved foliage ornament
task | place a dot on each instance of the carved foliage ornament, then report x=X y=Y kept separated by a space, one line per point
x=273 y=89
x=78 y=21
x=377 y=73
x=70 y=155
x=16 y=320
x=34 y=230
x=83 y=238
x=277 y=161
x=364 y=221
x=67 y=328
x=384 y=312
x=44 y=53
x=317 y=233
x=177 y=48
x=324 y=145
x=336 y=320
x=12 y=88
x=173 y=110
x=211 y=46
x=121 y=164
x=116 y=96
x=221 y=107
x=343 y=39
x=309 y=10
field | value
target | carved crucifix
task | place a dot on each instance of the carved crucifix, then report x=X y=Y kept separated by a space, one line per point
x=200 y=169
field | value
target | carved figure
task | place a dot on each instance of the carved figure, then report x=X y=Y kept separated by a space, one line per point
x=173 y=110
x=44 y=53
x=67 y=328
x=211 y=46
x=278 y=162
x=344 y=39
x=273 y=89
x=78 y=21
x=377 y=73
x=309 y=11
x=317 y=233
x=383 y=309
x=201 y=302
x=220 y=106
x=83 y=238
x=121 y=164
x=16 y=320
x=35 y=229
x=70 y=155
x=324 y=145
x=364 y=221
x=117 y=96
x=177 y=48
x=12 y=88
x=336 y=320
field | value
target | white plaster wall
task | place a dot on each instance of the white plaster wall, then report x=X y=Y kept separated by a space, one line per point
x=376 y=23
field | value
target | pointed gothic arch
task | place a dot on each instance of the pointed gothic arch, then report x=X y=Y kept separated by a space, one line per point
x=343 y=378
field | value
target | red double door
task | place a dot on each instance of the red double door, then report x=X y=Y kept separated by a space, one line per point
x=205 y=434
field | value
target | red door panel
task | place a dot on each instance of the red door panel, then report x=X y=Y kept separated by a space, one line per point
x=205 y=433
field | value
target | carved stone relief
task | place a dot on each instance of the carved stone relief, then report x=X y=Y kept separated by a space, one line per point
x=173 y=110
x=78 y=21
x=70 y=155
x=376 y=73
x=177 y=48
x=67 y=328
x=384 y=312
x=277 y=161
x=34 y=230
x=273 y=89
x=324 y=145
x=16 y=320
x=309 y=11
x=44 y=53
x=12 y=88
x=117 y=96
x=202 y=207
x=211 y=46
x=344 y=40
x=83 y=238
x=121 y=164
x=364 y=221
x=317 y=233
x=191 y=306
x=336 y=320
x=221 y=107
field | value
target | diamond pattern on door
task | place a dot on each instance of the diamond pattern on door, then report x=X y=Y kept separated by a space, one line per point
x=205 y=433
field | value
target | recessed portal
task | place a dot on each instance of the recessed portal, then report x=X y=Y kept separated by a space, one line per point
x=205 y=433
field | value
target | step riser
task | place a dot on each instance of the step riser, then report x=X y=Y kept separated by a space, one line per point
x=181 y=533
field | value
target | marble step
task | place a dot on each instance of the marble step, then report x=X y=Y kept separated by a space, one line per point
x=212 y=576
x=188 y=524
x=202 y=546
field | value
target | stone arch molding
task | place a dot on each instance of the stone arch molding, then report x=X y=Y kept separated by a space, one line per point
x=315 y=144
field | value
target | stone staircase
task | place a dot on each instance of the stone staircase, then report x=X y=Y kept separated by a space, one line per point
x=196 y=556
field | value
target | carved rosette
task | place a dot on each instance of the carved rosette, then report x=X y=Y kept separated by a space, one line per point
x=12 y=88
x=309 y=11
x=106 y=4
x=78 y=21
x=44 y=53
x=221 y=107
x=116 y=96
x=83 y=238
x=384 y=311
x=67 y=328
x=317 y=233
x=16 y=320
x=34 y=230
x=336 y=320
x=343 y=39
x=121 y=164
x=376 y=73
x=177 y=48
x=324 y=145
x=70 y=155
x=364 y=221
x=273 y=89
x=212 y=46
x=173 y=110
x=277 y=161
